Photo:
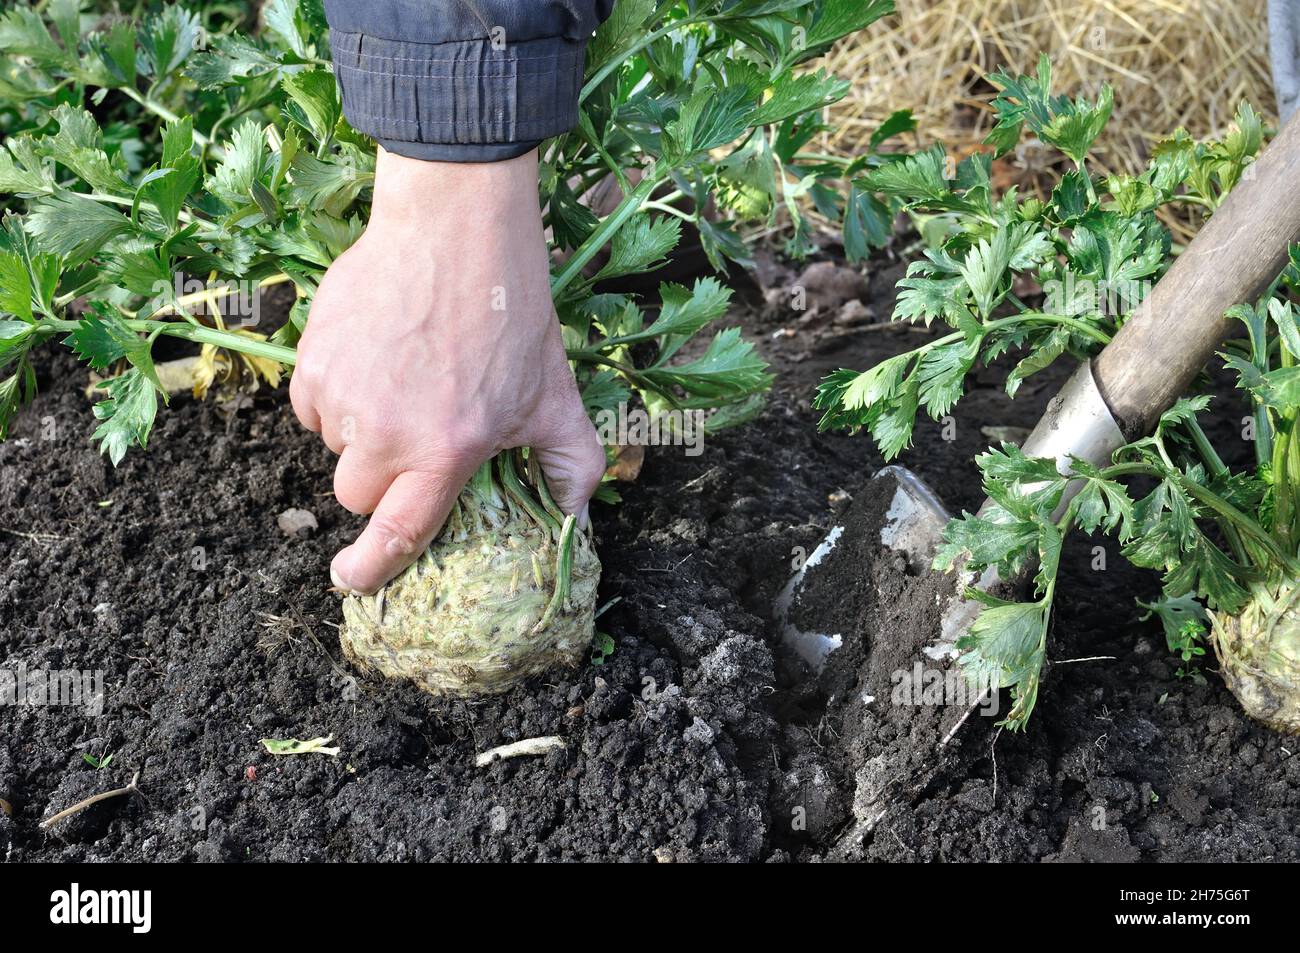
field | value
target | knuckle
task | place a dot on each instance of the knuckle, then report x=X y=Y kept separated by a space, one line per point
x=594 y=463
x=394 y=536
x=298 y=382
x=594 y=477
x=462 y=443
x=300 y=399
x=380 y=428
x=377 y=430
x=350 y=498
x=332 y=285
x=308 y=371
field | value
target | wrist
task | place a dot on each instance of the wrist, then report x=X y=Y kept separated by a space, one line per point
x=418 y=194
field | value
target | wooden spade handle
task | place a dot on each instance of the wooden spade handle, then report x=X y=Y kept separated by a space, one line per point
x=1232 y=260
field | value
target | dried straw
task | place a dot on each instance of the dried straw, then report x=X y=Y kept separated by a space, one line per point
x=1172 y=62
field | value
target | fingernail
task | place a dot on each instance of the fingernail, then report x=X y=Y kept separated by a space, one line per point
x=338 y=581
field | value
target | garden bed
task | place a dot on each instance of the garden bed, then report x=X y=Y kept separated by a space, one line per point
x=698 y=739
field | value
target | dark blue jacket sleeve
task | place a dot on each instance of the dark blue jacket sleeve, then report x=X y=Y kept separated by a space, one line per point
x=461 y=80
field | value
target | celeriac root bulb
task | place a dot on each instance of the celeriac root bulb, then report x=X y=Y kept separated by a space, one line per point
x=505 y=592
x=1259 y=651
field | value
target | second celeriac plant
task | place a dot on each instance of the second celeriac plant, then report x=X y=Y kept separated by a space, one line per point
x=1224 y=541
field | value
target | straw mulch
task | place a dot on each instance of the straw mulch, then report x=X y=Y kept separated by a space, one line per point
x=1172 y=63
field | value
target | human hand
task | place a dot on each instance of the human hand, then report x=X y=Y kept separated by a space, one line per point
x=433 y=344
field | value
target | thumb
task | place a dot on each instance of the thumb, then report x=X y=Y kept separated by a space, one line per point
x=572 y=458
x=410 y=514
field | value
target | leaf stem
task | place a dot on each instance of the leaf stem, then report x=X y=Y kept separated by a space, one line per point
x=162 y=112
x=1214 y=502
x=563 y=574
x=183 y=216
x=1217 y=469
x=1087 y=329
x=1087 y=179
x=1074 y=324
x=663 y=206
x=517 y=491
x=589 y=133
x=607 y=229
x=224 y=339
x=1194 y=200
x=618 y=59
x=634 y=376
x=202 y=335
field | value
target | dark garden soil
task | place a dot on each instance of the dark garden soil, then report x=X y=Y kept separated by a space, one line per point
x=698 y=739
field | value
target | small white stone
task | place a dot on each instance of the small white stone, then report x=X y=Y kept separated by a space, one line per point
x=295 y=522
